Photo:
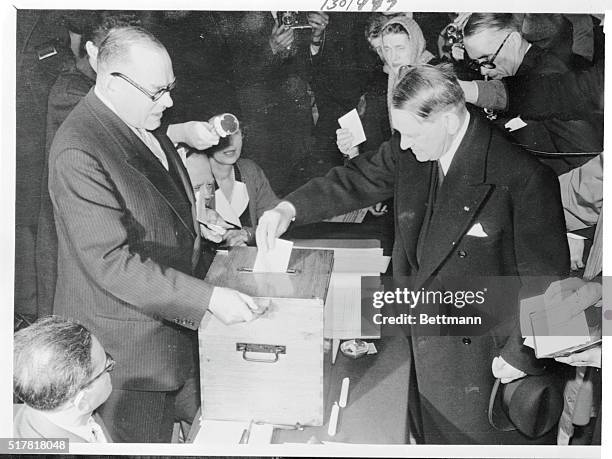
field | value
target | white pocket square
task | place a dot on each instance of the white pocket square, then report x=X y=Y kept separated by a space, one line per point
x=477 y=231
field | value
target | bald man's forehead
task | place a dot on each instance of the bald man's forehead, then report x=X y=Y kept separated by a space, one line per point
x=150 y=65
x=142 y=53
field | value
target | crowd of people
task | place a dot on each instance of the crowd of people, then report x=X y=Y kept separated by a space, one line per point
x=139 y=176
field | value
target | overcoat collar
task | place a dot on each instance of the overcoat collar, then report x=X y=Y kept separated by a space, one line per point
x=178 y=196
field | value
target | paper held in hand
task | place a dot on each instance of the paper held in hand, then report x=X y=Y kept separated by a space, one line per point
x=275 y=260
x=352 y=122
x=558 y=331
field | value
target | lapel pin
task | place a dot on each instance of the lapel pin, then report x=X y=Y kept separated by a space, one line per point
x=466 y=208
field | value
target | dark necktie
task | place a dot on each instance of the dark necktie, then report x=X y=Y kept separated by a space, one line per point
x=437 y=177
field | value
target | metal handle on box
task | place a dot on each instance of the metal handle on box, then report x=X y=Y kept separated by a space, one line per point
x=262 y=348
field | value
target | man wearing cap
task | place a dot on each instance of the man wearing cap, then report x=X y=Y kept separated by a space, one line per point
x=468 y=203
x=128 y=239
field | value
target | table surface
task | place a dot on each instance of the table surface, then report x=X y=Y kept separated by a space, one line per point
x=377 y=407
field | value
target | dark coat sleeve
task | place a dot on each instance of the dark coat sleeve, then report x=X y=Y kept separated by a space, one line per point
x=541 y=252
x=570 y=95
x=89 y=210
x=366 y=180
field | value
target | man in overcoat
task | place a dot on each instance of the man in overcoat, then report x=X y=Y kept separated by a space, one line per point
x=467 y=203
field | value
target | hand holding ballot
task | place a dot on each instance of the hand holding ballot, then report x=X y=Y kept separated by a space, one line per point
x=272 y=224
x=573 y=295
x=212 y=225
x=231 y=306
x=588 y=358
x=344 y=141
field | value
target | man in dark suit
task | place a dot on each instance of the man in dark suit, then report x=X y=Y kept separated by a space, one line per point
x=128 y=240
x=492 y=210
x=61 y=373
x=494 y=39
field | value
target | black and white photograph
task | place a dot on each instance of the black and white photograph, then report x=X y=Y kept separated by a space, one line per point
x=364 y=228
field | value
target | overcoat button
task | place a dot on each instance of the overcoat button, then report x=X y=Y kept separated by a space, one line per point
x=462 y=254
x=466 y=340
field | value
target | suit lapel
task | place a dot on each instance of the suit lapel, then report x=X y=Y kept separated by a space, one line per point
x=175 y=161
x=411 y=205
x=459 y=200
x=144 y=161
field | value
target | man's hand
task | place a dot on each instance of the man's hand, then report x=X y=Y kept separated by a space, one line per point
x=506 y=372
x=281 y=38
x=212 y=225
x=237 y=237
x=378 y=209
x=231 y=306
x=318 y=21
x=589 y=358
x=576 y=248
x=344 y=141
x=197 y=134
x=573 y=294
x=273 y=223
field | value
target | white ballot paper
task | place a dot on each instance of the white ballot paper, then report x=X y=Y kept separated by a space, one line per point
x=275 y=260
x=352 y=122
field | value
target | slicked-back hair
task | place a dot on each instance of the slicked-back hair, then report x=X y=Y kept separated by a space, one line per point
x=427 y=90
x=479 y=22
x=51 y=362
x=115 y=48
x=101 y=22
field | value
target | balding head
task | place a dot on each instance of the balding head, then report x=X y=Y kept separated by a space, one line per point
x=134 y=75
x=116 y=50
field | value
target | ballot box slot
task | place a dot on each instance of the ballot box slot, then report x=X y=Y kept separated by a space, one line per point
x=246 y=269
x=255 y=348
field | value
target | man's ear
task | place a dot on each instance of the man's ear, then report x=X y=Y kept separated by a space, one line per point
x=92 y=52
x=514 y=40
x=453 y=123
x=82 y=403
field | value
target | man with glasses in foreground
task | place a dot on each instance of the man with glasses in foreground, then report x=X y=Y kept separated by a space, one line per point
x=128 y=240
x=61 y=373
x=497 y=48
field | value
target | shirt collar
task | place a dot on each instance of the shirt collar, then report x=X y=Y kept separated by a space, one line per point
x=61 y=419
x=447 y=158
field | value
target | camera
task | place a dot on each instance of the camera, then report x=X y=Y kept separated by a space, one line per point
x=293 y=19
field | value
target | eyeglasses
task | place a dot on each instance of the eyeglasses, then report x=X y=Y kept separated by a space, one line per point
x=155 y=96
x=110 y=365
x=489 y=62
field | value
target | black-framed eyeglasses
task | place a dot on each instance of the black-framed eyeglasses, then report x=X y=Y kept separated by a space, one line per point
x=485 y=62
x=153 y=96
x=110 y=365
x=489 y=62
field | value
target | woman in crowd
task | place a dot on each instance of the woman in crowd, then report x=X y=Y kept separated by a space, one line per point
x=401 y=43
x=241 y=190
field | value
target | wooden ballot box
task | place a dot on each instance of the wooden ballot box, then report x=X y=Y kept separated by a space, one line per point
x=270 y=369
